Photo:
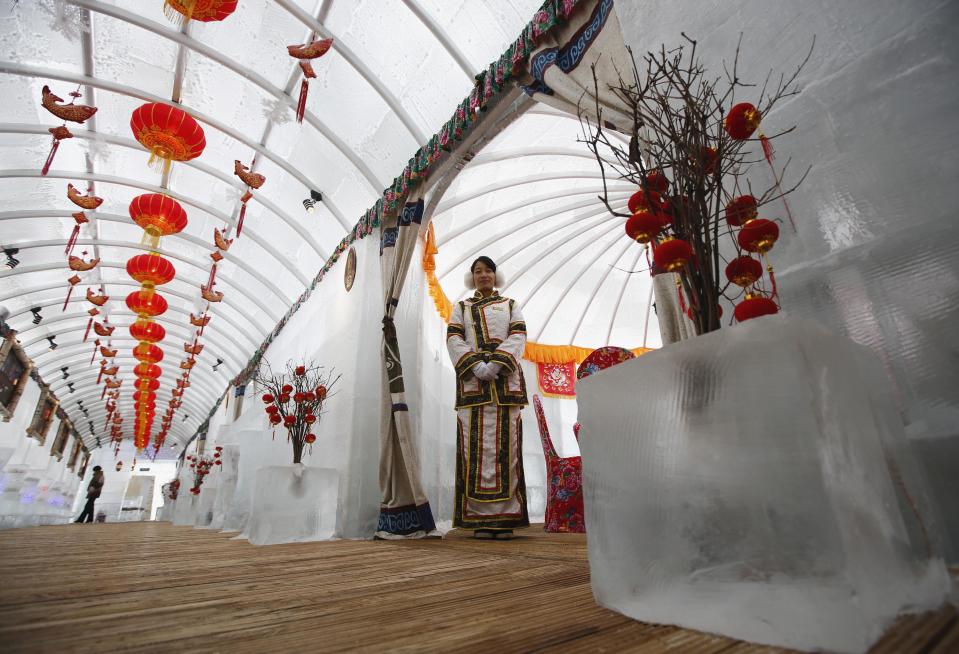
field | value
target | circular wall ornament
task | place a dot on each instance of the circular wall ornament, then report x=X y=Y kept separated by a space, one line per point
x=349 y=274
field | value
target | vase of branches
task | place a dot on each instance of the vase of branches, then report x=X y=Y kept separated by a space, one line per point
x=706 y=177
x=294 y=401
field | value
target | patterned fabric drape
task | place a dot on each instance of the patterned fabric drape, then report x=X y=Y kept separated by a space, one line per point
x=404 y=509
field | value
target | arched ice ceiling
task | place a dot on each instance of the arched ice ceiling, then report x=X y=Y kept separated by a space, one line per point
x=396 y=70
x=529 y=200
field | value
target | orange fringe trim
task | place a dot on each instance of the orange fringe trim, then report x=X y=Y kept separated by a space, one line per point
x=535 y=352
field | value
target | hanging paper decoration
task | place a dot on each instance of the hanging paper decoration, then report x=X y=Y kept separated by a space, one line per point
x=193 y=349
x=205 y=11
x=211 y=295
x=97 y=299
x=108 y=353
x=79 y=218
x=87 y=202
x=169 y=133
x=252 y=181
x=187 y=364
x=305 y=53
x=75 y=113
x=73 y=281
x=78 y=264
x=200 y=321
x=221 y=242
x=103 y=330
x=93 y=312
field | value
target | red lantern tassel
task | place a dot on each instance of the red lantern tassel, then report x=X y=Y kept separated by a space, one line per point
x=767 y=148
x=301 y=106
x=49 y=161
x=682 y=300
x=768 y=154
x=87 y=332
x=103 y=392
x=209 y=283
x=96 y=344
x=72 y=240
x=99 y=378
x=239 y=223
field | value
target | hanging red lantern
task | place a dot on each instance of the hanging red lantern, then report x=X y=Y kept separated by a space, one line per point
x=743 y=271
x=158 y=215
x=148 y=353
x=672 y=254
x=146 y=304
x=642 y=226
x=708 y=158
x=741 y=210
x=758 y=235
x=754 y=306
x=147 y=370
x=656 y=181
x=76 y=113
x=144 y=396
x=169 y=133
x=146 y=384
x=150 y=270
x=205 y=11
x=641 y=201
x=742 y=120
x=147 y=331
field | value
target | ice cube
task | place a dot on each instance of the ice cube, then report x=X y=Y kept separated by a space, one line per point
x=293 y=503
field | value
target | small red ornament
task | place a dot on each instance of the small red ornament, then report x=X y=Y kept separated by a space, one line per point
x=147 y=331
x=754 y=306
x=741 y=210
x=640 y=201
x=284 y=398
x=275 y=419
x=298 y=397
x=321 y=392
x=309 y=396
x=146 y=304
x=218 y=462
x=742 y=120
x=287 y=388
x=708 y=158
x=642 y=226
x=148 y=353
x=289 y=420
x=758 y=235
x=267 y=398
x=168 y=132
x=743 y=271
x=150 y=270
x=309 y=438
x=309 y=418
x=305 y=53
x=272 y=409
x=672 y=254
x=656 y=181
x=300 y=371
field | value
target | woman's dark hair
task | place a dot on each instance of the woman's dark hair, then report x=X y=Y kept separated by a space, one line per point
x=489 y=263
x=97 y=468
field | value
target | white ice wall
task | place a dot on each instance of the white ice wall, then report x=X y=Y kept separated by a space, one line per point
x=876 y=253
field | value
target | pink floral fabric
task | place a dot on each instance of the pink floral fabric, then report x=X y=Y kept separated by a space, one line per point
x=564 y=483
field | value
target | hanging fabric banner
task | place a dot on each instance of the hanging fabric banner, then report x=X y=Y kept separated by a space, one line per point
x=557 y=379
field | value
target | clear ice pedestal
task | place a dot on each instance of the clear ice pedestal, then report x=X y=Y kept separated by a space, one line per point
x=293 y=503
x=756 y=482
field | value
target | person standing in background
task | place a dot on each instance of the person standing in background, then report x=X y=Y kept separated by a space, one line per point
x=93 y=492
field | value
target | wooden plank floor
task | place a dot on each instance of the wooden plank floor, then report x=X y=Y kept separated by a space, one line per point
x=153 y=587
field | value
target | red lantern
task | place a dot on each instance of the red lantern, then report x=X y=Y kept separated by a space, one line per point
x=754 y=306
x=298 y=397
x=144 y=396
x=147 y=370
x=284 y=398
x=758 y=235
x=640 y=201
x=300 y=371
x=146 y=305
x=158 y=215
x=271 y=409
x=206 y=11
x=146 y=384
x=672 y=254
x=267 y=398
x=642 y=226
x=321 y=392
x=148 y=353
x=309 y=418
x=169 y=133
x=742 y=120
x=743 y=271
x=656 y=181
x=286 y=388
x=147 y=331
x=708 y=157
x=741 y=210
x=150 y=270
x=275 y=419
x=310 y=438
x=289 y=421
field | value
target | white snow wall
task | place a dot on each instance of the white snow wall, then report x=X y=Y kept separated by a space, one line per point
x=876 y=255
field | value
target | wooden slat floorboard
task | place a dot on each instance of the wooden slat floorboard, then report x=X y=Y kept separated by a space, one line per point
x=150 y=587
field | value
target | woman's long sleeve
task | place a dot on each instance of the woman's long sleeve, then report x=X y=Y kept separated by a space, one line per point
x=461 y=354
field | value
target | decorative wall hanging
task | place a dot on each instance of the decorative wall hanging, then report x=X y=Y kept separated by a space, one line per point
x=557 y=379
x=75 y=113
x=349 y=271
x=169 y=133
x=305 y=53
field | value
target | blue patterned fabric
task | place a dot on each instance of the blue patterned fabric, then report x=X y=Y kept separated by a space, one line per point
x=406 y=520
x=570 y=55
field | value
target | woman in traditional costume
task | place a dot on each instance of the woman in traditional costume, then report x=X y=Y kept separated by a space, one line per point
x=486 y=338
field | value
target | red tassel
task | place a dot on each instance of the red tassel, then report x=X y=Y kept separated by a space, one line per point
x=301 y=106
x=768 y=153
x=73 y=240
x=239 y=223
x=67 y=301
x=767 y=148
x=99 y=378
x=103 y=393
x=87 y=333
x=209 y=283
x=682 y=300
x=53 y=152
x=96 y=344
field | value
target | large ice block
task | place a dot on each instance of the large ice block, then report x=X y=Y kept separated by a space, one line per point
x=293 y=503
x=204 y=506
x=227 y=477
x=186 y=507
x=756 y=482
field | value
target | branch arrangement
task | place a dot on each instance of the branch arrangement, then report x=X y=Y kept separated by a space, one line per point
x=691 y=152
